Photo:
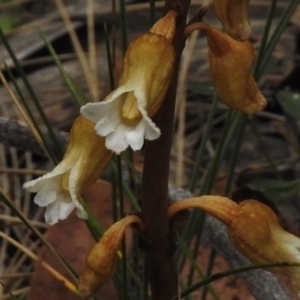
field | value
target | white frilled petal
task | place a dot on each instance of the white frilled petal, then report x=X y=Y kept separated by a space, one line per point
x=58 y=210
x=50 y=193
x=109 y=123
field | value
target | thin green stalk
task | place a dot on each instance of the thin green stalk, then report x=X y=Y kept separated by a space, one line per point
x=211 y=173
x=152 y=12
x=195 y=265
x=197 y=218
x=46 y=143
x=229 y=128
x=276 y=36
x=220 y=275
x=235 y=154
x=240 y=125
x=109 y=59
x=33 y=96
x=74 y=89
x=195 y=253
x=264 y=149
x=92 y=222
x=210 y=266
x=201 y=149
x=7 y=201
x=121 y=213
x=128 y=192
x=265 y=37
x=123 y=24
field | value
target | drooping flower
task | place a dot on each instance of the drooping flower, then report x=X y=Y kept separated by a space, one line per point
x=85 y=159
x=101 y=260
x=230 y=65
x=124 y=117
x=254 y=230
x=233 y=14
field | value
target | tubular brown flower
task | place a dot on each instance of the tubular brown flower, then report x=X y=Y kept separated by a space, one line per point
x=124 y=115
x=84 y=161
x=254 y=230
x=230 y=65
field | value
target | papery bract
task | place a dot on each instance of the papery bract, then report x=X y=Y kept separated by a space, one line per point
x=124 y=115
x=234 y=16
x=85 y=159
x=101 y=260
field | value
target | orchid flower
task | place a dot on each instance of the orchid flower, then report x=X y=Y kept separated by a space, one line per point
x=85 y=159
x=124 y=116
x=254 y=230
x=230 y=65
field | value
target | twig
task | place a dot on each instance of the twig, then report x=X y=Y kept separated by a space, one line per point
x=15 y=133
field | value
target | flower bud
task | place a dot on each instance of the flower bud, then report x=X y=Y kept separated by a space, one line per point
x=233 y=14
x=101 y=260
x=84 y=161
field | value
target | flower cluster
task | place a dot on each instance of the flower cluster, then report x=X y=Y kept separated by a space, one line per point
x=123 y=119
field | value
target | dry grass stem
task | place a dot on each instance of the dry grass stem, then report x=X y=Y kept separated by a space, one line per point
x=70 y=286
x=77 y=46
x=181 y=107
x=20 y=109
x=92 y=48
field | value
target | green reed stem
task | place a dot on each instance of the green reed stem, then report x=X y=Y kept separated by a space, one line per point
x=276 y=36
x=201 y=149
x=152 y=12
x=195 y=265
x=265 y=37
x=73 y=88
x=123 y=20
x=7 y=201
x=220 y=275
x=32 y=95
x=109 y=59
x=46 y=144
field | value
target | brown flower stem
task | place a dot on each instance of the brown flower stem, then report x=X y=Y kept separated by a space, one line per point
x=159 y=252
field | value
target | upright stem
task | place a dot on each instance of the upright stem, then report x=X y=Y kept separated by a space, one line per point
x=159 y=252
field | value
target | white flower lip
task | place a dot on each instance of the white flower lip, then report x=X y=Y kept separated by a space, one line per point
x=109 y=122
x=50 y=193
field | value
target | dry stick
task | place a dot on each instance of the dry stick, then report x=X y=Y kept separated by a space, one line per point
x=159 y=252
